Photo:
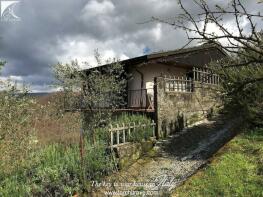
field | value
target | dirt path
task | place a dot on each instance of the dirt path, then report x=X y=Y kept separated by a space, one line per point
x=171 y=162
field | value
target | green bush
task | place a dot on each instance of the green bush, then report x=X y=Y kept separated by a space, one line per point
x=56 y=171
x=14 y=186
x=59 y=170
x=98 y=162
x=140 y=133
x=16 y=132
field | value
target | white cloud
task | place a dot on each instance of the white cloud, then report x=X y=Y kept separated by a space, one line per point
x=230 y=26
x=82 y=50
x=157 y=32
x=94 y=8
x=76 y=28
x=27 y=81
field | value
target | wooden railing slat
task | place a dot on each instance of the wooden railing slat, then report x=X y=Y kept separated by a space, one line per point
x=120 y=130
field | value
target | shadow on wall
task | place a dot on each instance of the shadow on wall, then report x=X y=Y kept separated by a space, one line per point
x=172 y=127
x=177 y=109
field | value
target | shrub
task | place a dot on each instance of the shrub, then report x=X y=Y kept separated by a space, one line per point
x=97 y=160
x=16 y=132
x=59 y=170
x=54 y=171
x=15 y=186
x=141 y=133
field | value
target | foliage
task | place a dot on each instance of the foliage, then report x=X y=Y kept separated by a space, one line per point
x=241 y=92
x=30 y=168
x=16 y=137
x=238 y=171
x=206 y=22
x=52 y=124
x=59 y=168
x=2 y=63
x=98 y=161
x=92 y=91
x=55 y=170
x=15 y=185
x=241 y=85
x=142 y=133
x=241 y=73
x=16 y=133
x=194 y=118
x=101 y=86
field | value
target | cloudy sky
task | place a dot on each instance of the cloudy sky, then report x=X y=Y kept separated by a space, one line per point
x=51 y=31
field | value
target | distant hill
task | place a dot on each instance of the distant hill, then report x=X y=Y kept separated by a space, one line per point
x=39 y=94
x=45 y=97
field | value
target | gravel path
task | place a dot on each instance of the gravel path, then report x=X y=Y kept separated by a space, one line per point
x=175 y=159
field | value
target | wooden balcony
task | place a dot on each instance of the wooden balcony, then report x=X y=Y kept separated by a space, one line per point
x=140 y=99
x=137 y=100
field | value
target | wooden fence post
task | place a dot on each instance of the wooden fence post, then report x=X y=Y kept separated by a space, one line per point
x=129 y=130
x=111 y=135
x=123 y=133
x=118 y=135
x=155 y=90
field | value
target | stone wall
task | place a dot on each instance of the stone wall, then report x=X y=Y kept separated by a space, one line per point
x=127 y=153
x=175 y=110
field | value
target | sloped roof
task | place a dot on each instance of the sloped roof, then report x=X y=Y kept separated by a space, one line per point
x=193 y=56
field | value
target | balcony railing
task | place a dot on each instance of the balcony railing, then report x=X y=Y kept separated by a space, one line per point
x=178 y=84
x=140 y=98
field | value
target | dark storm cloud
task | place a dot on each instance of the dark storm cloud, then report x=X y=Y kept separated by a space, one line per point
x=55 y=30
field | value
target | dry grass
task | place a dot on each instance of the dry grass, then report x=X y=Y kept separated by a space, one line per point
x=50 y=126
x=62 y=130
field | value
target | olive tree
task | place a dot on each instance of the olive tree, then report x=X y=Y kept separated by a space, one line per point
x=95 y=92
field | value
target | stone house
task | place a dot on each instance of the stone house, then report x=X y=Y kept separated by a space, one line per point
x=173 y=87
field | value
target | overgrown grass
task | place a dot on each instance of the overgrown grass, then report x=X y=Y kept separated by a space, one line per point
x=55 y=168
x=50 y=173
x=236 y=171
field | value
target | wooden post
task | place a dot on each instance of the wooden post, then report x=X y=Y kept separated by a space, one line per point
x=185 y=84
x=111 y=135
x=198 y=75
x=174 y=84
x=129 y=130
x=194 y=73
x=118 y=134
x=123 y=133
x=155 y=90
x=177 y=85
x=134 y=127
x=82 y=154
